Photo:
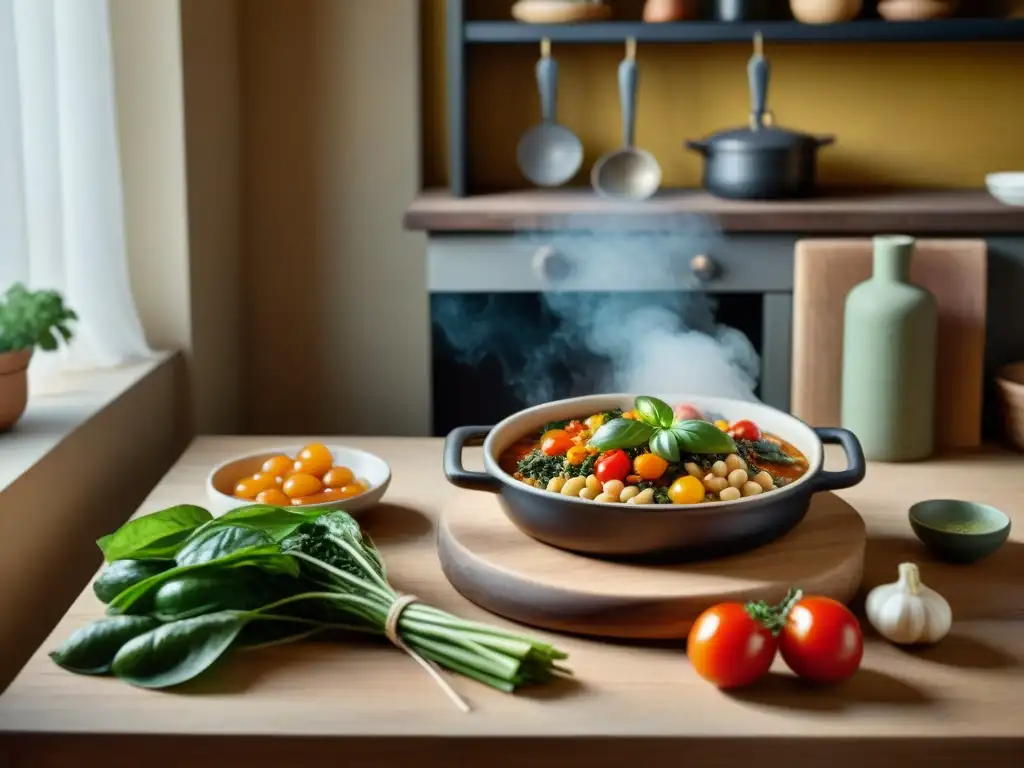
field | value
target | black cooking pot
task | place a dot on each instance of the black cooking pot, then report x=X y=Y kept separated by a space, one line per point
x=687 y=532
x=761 y=162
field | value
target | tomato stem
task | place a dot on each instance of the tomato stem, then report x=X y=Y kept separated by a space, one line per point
x=774 y=617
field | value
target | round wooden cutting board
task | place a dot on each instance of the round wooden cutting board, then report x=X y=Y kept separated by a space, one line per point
x=495 y=565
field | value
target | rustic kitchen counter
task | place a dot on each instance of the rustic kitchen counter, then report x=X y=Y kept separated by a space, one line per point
x=958 y=703
x=925 y=212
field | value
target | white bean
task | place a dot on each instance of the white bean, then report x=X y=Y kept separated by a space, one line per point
x=614 y=487
x=610 y=499
x=719 y=469
x=693 y=470
x=715 y=484
x=555 y=483
x=645 y=496
x=573 y=486
x=763 y=479
x=628 y=493
x=729 y=494
x=594 y=484
x=587 y=493
x=735 y=461
x=631 y=501
x=751 y=488
x=738 y=477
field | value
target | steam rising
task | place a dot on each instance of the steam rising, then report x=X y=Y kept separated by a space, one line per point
x=622 y=324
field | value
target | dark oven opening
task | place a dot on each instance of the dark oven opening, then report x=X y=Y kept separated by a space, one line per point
x=496 y=353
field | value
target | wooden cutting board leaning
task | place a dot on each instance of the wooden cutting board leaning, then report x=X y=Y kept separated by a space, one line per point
x=955 y=271
x=501 y=569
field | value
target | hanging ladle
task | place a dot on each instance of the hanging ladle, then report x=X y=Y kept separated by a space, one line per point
x=627 y=173
x=549 y=154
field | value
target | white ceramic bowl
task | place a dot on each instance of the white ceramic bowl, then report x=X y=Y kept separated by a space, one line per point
x=1007 y=188
x=367 y=467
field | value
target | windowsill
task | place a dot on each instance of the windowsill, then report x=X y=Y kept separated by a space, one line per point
x=60 y=406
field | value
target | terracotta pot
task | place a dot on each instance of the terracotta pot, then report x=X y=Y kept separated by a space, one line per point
x=13 y=386
x=825 y=11
x=915 y=10
x=658 y=11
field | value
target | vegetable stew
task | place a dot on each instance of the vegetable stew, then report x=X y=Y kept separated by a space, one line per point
x=654 y=454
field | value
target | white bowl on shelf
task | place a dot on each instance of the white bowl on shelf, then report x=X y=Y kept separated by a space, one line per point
x=366 y=467
x=1007 y=187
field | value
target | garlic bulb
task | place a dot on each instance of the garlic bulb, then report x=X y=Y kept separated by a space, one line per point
x=908 y=612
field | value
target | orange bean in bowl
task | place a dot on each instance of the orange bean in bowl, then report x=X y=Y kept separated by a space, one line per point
x=278 y=466
x=302 y=484
x=315 y=459
x=352 y=489
x=249 y=487
x=273 y=496
x=337 y=477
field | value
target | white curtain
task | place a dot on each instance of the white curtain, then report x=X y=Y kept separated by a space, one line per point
x=61 y=200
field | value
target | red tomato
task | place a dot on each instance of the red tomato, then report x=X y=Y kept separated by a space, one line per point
x=574 y=427
x=821 y=640
x=687 y=412
x=728 y=648
x=745 y=430
x=555 y=442
x=612 y=465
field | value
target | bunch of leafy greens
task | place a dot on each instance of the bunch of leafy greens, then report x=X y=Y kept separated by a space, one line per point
x=182 y=588
x=656 y=427
x=33 y=318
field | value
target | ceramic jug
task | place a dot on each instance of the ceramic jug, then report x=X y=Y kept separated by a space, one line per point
x=890 y=344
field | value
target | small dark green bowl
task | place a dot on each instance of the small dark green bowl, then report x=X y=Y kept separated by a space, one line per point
x=959 y=531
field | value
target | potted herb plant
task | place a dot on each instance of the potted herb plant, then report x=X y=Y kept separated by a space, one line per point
x=28 y=319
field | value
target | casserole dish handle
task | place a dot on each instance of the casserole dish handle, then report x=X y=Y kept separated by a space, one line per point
x=855 y=465
x=458 y=475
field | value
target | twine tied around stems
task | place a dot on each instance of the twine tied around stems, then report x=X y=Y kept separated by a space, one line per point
x=391 y=632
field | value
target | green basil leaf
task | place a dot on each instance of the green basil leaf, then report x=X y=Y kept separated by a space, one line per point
x=121 y=574
x=158 y=535
x=702 y=437
x=220 y=542
x=653 y=411
x=91 y=649
x=194 y=594
x=621 y=433
x=277 y=522
x=135 y=599
x=664 y=444
x=177 y=652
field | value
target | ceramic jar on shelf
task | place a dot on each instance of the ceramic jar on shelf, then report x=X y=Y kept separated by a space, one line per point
x=890 y=346
x=825 y=11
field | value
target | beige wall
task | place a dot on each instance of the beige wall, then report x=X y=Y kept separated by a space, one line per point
x=334 y=305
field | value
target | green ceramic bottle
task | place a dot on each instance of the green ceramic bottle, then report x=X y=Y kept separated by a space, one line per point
x=890 y=342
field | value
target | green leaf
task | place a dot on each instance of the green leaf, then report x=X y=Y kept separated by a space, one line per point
x=121 y=574
x=133 y=599
x=217 y=543
x=664 y=444
x=158 y=535
x=194 y=594
x=91 y=649
x=177 y=652
x=702 y=437
x=277 y=522
x=622 y=433
x=653 y=411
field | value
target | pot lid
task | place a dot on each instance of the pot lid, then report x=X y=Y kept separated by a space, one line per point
x=766 y=137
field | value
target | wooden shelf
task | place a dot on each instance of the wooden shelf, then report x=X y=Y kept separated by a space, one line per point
x=964 y=212
x=865 y=31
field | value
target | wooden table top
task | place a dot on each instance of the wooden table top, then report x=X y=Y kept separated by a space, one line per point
x=970 y=685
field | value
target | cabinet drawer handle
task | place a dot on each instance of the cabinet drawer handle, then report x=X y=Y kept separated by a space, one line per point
x=551 y=266
x=703 y=267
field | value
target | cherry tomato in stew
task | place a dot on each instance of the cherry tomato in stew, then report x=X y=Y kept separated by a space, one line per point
x=612 y=465
x=649 y=466
x=821 y=640
x=555 y=442
x=729 y=648
x=687 y=412
x=574 y=427
x=745 y=430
